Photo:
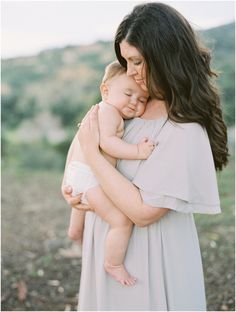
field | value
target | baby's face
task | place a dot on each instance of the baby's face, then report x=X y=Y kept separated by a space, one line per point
x=127 y=96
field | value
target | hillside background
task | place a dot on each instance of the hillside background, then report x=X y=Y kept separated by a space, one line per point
x=43 y=98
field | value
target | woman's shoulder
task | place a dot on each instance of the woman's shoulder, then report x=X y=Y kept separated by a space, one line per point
x=185 y=135
x=189 y=129
x=188 y=126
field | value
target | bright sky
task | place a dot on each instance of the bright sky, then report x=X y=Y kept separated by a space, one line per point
x=31 y=26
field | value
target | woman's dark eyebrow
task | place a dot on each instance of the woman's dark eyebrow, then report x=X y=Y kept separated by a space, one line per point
x=131 y=57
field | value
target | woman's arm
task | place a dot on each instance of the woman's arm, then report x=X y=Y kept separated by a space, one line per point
x=123 y=193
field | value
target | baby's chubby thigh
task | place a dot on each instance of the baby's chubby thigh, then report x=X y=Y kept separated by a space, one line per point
x=106 y=209
x=81 y=178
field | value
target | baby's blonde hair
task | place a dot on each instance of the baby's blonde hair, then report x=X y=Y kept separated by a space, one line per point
x=113 y=69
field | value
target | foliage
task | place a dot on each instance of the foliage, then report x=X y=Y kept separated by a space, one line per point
x=64 y=83
x=15 y=110
x=69 y=114
x=33 y=156
x=221 y=42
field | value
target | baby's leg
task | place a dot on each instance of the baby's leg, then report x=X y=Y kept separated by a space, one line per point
x=76 y=227
x=76 y=177
x=117 y=239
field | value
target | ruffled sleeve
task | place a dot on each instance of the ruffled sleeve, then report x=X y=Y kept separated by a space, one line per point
x=180 y=173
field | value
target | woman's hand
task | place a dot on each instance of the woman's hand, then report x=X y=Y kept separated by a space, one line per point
x=74 y=201
x=88 y=133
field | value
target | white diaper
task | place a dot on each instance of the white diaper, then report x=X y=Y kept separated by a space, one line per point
x=81 y=178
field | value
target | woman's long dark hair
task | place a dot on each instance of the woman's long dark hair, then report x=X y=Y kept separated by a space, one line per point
x=178 y=69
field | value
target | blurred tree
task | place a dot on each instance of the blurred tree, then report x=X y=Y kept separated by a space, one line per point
x=17 y=108
x=65 y=82
x=221 y=40
x=69 y=112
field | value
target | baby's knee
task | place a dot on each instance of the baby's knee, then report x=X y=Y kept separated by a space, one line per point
x=123 y=221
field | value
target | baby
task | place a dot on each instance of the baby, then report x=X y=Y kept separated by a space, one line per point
x=121 y=98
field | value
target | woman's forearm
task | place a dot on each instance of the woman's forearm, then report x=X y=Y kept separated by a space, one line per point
x=123 y=193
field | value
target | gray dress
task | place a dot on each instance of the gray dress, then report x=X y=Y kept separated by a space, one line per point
x=165 y=256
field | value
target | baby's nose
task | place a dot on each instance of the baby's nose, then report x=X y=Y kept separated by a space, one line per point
x=133 y=100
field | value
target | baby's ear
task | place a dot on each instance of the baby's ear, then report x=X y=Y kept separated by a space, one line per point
x=104 y=90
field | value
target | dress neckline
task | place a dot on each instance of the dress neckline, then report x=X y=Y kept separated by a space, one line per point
x=157 y=119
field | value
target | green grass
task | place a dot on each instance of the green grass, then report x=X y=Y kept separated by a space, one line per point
x=216 y=235
x=226 y=183
x=42 y=216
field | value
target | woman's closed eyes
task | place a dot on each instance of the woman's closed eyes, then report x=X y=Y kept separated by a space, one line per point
x=137 y=63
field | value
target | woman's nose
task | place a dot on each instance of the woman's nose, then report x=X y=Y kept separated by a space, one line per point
x=130 y=70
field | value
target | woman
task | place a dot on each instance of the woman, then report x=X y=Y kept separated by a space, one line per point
x=160 y=195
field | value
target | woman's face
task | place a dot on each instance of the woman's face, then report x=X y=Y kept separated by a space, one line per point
x=136 y=66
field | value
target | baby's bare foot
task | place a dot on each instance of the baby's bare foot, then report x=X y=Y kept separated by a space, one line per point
x=120 y=274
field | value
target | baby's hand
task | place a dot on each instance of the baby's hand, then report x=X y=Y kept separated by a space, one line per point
x=145 y=148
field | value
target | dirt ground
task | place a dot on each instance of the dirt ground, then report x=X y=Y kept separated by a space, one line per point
x=41 y=267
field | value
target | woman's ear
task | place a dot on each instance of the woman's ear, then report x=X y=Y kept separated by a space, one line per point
x=104 y=91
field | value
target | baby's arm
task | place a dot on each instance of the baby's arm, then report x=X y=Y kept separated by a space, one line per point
x=110 y=123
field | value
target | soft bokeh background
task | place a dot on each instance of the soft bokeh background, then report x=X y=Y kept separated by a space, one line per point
x=53 y=57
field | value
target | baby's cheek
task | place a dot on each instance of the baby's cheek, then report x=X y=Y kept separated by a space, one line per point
x=141 y=109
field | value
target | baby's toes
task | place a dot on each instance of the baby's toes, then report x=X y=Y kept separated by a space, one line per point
x=128 y=283
x=131 y=281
